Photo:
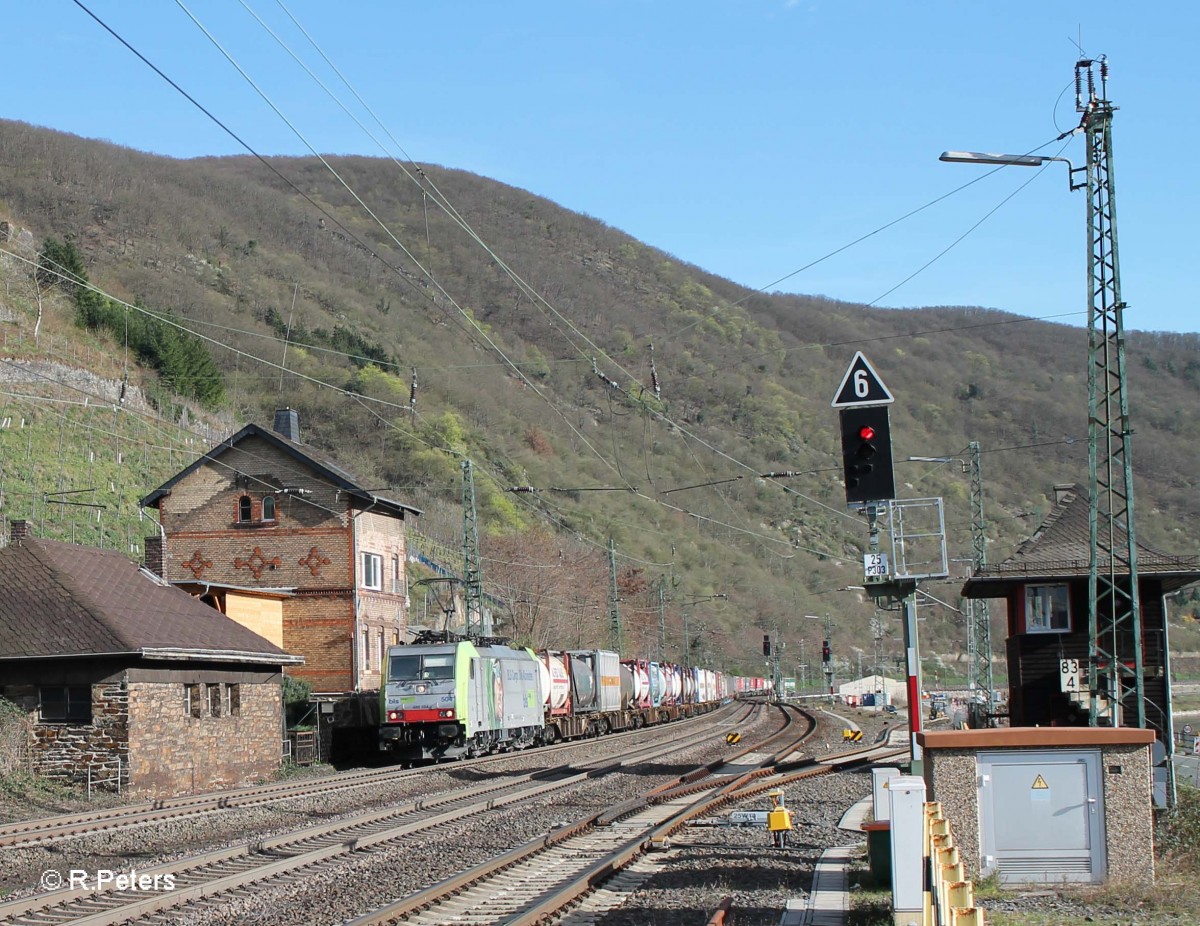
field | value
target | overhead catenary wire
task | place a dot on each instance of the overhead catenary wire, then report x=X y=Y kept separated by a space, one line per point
x=600 y=456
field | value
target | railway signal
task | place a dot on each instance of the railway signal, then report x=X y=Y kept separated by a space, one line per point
x=867 y=455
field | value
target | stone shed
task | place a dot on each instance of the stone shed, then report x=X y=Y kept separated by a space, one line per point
x=1046 y=804
x=128 y=683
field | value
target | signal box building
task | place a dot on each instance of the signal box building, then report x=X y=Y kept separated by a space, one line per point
x=291 y=545
x=1045 y=586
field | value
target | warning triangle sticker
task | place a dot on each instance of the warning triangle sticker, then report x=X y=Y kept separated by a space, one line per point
x=1039 y=784
x=861 y=385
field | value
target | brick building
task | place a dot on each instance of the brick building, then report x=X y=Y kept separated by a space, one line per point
x=127 y=682
x=274 y=534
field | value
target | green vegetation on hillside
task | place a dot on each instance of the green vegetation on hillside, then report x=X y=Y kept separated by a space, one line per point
x=548 y=388
x=180 y=358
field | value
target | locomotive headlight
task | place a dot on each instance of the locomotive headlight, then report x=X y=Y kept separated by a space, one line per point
x=449 y=714
x=394 y=716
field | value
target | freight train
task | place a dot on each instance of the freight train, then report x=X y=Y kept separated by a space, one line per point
x=457 y=697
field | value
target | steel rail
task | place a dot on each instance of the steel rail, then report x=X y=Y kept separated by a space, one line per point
x=662 y=812
x=64 y=826
x=234 y=867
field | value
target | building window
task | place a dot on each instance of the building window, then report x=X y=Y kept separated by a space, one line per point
x=366 y=650
x=268 y=508
x=65 y=704
x=245 y=510
x=193 y=700
x=381 y=651
x=233 y=700
x=215 y=701
x=1047 y=609
x=372 y=571
x=397 y=576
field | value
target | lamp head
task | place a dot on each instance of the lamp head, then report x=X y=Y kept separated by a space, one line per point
x=979 y=157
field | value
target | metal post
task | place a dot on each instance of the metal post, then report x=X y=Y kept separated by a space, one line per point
x=662 y=619
x=829 y=665
x=913 y=661
x=979 y=621
x=472 y=579
x=614 y=610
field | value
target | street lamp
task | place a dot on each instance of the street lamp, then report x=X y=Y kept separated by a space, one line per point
x=1116 y=656
x=1012 y=160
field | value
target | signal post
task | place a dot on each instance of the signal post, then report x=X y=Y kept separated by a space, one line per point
x=917 y=546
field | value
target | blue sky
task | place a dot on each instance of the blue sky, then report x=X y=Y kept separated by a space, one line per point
x=749 y=138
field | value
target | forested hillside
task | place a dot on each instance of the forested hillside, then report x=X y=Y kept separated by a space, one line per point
x=625 y=394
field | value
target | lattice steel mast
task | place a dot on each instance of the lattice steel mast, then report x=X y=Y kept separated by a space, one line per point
x=979 y=642
x=472 y=579
x=614 y=607
x=1115 y=669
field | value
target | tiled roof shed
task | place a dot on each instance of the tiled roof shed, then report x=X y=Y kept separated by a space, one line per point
x=128 y=682
x=1060 y=549
x=62 y=600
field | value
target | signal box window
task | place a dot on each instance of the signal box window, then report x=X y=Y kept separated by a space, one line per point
x=1047 y=609
x=268 y=508
x=245 y=509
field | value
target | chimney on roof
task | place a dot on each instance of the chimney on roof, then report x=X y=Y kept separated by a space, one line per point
x=1062 y=490
x=18 y=530
x=155 y=556
x=287 y=424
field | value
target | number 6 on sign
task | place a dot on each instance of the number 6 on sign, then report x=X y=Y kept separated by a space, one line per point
x=1068 y=673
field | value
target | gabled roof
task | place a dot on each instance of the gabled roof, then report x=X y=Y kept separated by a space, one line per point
x=59 y=599
x=325 y=468
x=1061 y=549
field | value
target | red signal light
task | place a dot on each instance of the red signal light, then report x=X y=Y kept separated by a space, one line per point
x=866 y=432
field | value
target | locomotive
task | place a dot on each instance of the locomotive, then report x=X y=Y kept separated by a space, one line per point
x=455 y=698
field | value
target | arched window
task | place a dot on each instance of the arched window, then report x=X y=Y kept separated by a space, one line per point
x=245 y=509
x=268 y=508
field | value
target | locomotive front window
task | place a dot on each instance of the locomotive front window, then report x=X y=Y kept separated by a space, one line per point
x=438 y=667
x=404 y=668
x=435 y=667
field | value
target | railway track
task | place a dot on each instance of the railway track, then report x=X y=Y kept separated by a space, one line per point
x=66 y=826
x=539 y=881
x=198 y=878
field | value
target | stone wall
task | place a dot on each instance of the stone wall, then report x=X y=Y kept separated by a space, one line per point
x=72 y=751
x=175 y=752
x=1127 y=799
x=951 y=776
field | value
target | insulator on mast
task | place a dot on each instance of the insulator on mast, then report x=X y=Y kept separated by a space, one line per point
x=412 y=393
x=654 y=374
x=611 y=383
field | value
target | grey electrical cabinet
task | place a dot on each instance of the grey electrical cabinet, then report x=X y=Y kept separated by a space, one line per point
x=1041 y=815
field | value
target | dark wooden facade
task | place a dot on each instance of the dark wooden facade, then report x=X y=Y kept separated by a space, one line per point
x=1055 y=560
